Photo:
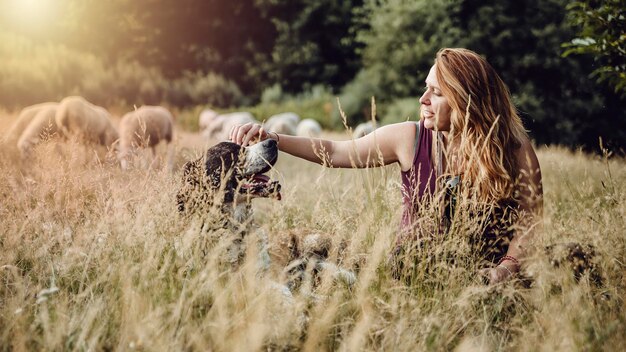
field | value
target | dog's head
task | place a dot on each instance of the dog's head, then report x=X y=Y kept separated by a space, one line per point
x=230 y=172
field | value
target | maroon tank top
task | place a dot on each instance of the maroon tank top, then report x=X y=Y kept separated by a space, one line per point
x=418 y=186
x=418 y=183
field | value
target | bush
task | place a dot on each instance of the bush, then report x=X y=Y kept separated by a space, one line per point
x=187 y=118
x=400 y=110
x=273 y=94
x=356 y=102
x=316 y=104
x=355 y=98
x=199 y=88
x=33 y=73
x=123 y=83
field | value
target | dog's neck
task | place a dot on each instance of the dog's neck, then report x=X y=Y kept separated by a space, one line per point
x=236 y=216
x=241 y=213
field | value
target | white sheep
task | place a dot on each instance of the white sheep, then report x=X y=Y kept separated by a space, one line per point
x=41 y=128
x=284 y=123
x=78 y=119
x=206 y=119
x=309 y=128
x=363 y=129
x=222 y=124
x=24 y=118
x=145 y=127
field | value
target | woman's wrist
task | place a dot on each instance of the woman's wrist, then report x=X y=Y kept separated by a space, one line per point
x=269 y=135
x=509 y=271
x=510 y=263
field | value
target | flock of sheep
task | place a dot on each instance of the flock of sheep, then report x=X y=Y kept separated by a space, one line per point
x=216 y=126
x=74 y=118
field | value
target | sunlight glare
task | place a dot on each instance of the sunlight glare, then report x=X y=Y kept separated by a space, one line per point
x=32 y=14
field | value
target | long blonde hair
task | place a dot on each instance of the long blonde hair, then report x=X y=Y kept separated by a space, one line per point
x=486 y=131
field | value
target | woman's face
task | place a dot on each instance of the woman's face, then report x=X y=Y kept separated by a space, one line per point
x=434 y=108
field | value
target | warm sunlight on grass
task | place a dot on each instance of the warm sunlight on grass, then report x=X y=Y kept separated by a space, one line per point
x=30 y=14
x=94 y=258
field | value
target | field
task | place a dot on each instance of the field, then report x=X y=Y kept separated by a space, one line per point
x=94 y=258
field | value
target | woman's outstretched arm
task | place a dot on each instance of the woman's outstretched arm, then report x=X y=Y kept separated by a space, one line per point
x=386 y=145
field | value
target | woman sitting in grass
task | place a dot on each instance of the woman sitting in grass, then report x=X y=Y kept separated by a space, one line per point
x=469 y=144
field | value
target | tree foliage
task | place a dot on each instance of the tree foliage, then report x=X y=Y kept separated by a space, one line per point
x=602 y=34
x=315 y=42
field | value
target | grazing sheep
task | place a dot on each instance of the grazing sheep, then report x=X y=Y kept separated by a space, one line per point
x=207 y=118
x=78 y=119
x=363 y=129
x=42 y=127
x=285 y=123
x=23 y=120
x=145 y=127
x=309 y=128
x=221 y=125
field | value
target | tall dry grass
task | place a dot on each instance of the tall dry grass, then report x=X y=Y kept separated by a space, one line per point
x=95 y=258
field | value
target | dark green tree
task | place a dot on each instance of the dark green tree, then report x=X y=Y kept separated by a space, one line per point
x=558 y=101
x=315 y=42
x=227 y=37
x=402 y=39
x=602 y=28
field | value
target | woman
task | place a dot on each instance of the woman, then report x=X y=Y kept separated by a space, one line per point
x=469 y=130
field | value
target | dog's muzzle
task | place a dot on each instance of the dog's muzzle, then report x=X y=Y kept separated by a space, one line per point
x=259 y=159
x=261 y=186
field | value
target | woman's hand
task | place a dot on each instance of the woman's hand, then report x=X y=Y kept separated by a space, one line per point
x=244 y=134
x=496 y=275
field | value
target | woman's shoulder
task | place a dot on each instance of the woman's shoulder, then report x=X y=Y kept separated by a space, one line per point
x=401 y=137
x=526 y=153
x=404 y=124
x=406 y=129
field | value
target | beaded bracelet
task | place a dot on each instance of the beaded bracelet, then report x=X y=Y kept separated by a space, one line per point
x=508 y=257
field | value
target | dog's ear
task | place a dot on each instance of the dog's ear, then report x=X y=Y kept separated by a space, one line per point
x=220 y=160
x=191 y=178
x=218 y=169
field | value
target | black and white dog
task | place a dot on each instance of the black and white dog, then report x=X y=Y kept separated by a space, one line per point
x=219 y=188
x=220 y=185
x=228 y=175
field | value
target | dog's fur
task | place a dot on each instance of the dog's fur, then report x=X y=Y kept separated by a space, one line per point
x=219 y=186
x=579 y=258
x=226 y=175
x=303 y=259
x=226 y=178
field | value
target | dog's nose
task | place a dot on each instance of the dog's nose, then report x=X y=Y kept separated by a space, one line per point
x=269 y=143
